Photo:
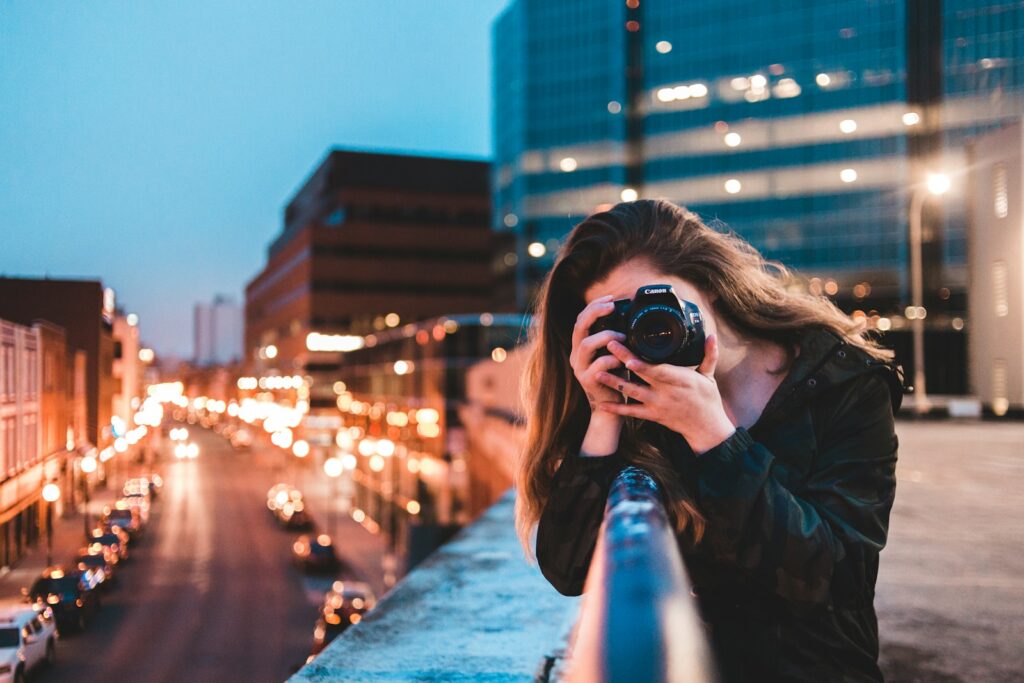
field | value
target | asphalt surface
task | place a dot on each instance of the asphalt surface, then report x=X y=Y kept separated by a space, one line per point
x=950 y=596
x=210 y=593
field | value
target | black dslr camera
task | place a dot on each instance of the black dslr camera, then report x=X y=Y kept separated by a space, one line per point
x=659 y=327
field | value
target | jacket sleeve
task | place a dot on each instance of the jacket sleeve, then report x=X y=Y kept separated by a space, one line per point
x=568 y=527
x=795 y=542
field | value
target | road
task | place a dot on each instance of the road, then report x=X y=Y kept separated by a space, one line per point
x=950 y=597
x=210 y=593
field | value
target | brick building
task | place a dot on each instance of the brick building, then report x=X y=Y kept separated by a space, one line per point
x=86 y=312
x=372 y=241
x=21 y=471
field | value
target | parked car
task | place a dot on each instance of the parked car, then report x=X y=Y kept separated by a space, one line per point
x=344 y=605
x=28 y=639
x=71 y=595
x=280 y=494
x=289 y=508
x=139 y=502
x=125 y=517
x=315 y=554
x=97 y=562
x=139 y=486
x=150 y=482
x=113 y=542
x=295 y=517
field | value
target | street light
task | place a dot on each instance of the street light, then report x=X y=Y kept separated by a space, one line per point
x=936 y=184
x=51 y=494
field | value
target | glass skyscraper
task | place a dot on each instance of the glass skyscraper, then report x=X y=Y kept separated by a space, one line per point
x=803 y=126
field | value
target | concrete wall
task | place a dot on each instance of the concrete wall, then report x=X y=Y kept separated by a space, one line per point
x=996 y=256
x=473 y=611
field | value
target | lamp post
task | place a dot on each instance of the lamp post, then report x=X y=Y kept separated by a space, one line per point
x=88 y=467
x=51 y=494
x=936 y=184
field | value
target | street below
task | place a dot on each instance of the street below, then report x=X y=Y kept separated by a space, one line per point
x=210 y=593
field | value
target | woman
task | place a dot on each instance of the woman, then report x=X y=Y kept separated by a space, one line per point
x=776 y=455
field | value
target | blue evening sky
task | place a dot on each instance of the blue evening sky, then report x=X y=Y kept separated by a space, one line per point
x=154 y=144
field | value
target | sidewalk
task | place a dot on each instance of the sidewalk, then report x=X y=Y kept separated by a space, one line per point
x=68 y=538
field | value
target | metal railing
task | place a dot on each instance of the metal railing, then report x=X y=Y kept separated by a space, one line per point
x=638 y=620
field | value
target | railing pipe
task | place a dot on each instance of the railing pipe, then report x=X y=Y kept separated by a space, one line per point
x=638 y=620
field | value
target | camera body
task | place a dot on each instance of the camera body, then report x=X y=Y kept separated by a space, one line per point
x=659 y=327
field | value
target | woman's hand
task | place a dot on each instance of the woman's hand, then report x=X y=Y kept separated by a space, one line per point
x=602 y=437
x=585 y=346
x=686 y=400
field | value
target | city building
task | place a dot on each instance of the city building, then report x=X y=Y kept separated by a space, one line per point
x=996 y=292
x=62 y=406
x=127 y=370
x=219 y=332
x=85 y=310
x=372 y=241
x=416 y=405
x=21 y=466
x=805 y=127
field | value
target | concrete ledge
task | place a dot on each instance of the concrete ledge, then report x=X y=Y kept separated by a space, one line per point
x=962 y=408
x=473 y=611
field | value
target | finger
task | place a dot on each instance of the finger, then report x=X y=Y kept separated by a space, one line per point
x=626 y=409
x=646 y=371
x=619 y=350
x=590 y=345
x=624 y=387
x=591 y=312
x=710 y=362
x=605 y=363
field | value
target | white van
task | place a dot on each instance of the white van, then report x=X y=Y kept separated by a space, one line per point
x=28 y=638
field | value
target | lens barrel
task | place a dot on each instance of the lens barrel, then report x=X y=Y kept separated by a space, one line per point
x=657 y=332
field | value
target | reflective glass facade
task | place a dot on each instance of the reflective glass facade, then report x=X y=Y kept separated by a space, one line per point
x=803 y=126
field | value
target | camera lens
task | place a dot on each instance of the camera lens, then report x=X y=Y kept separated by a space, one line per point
x=656 y=333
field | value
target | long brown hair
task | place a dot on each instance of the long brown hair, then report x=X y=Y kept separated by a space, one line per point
x=754 y=298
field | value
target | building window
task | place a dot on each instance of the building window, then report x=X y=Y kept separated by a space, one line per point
x=1000 y=295
x=337 y=217
x=1000 y=402
x=1000 y=200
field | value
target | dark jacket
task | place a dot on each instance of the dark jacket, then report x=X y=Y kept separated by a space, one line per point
x=797 y=509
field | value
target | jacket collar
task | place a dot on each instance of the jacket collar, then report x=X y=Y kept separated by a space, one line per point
x=826 y=360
